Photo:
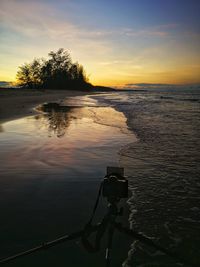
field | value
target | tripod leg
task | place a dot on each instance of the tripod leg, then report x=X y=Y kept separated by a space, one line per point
x=109 y=246
x=44 y=246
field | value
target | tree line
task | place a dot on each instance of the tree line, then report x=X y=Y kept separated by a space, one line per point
x=56 y=72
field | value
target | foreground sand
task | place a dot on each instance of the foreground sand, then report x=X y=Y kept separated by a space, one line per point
x=16 y=103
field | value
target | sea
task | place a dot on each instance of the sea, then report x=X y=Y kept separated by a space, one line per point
x=52 y=165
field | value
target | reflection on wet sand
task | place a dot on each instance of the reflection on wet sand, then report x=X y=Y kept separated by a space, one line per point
x=61 y=137
x=57 y=118
x=45 y=179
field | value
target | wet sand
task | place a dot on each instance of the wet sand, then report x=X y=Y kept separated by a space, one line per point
x=16 y=103
x=50 y=178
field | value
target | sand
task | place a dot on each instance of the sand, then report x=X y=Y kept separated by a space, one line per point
x=16 y=103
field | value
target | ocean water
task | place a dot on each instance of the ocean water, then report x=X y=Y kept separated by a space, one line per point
x=52 y=164
x=164 y=172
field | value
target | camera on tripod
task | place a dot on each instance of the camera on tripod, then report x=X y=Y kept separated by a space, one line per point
x=115 y=184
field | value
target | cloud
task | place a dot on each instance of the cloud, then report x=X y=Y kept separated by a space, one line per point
x=37 y=27
x=147 y=85
x=150 y=32
x=156 y=31
x=34 y=18
x=156 y=85
x=119 y=62
x=37 y=18
x=167 y=26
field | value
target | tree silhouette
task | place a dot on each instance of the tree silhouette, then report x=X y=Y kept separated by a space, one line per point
x=57 y=72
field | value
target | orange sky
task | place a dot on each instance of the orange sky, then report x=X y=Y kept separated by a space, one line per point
x=116 y=43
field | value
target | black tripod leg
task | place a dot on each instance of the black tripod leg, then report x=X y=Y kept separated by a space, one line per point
x=44 y=246
x=109 y=246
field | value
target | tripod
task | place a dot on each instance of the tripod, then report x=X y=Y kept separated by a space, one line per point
x=108 y=224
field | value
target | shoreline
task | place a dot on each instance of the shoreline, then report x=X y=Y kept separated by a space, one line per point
x=50 y=178
x=16 y=103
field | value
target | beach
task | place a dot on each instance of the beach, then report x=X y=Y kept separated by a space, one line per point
x=52 y=164
x=16 y=103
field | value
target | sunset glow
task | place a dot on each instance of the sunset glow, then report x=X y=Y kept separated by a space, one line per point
x=117 y=42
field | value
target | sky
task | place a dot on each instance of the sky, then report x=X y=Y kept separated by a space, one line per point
x=119 y=42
